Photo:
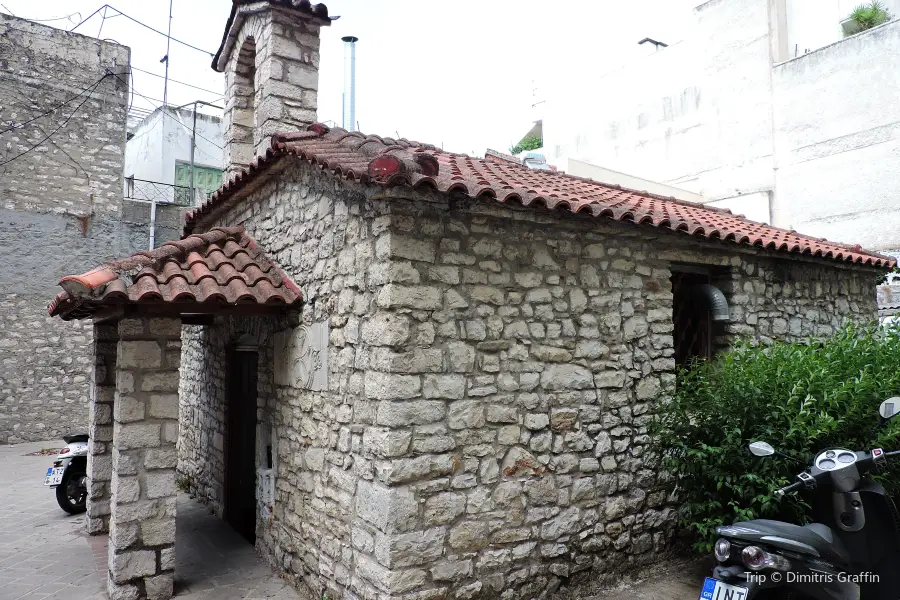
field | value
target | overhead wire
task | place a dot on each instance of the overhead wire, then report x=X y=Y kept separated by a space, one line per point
x=65 y=18
x=218 y=94
x=60 y=126
x=165 y=112
x=142 y=24
x=58 y=106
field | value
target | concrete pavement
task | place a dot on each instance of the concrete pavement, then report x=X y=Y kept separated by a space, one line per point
x=45 y=553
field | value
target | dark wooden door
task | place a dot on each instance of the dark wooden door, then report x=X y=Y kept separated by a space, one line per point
x=240 y=475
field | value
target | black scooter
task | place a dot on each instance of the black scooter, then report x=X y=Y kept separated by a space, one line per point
x=851 y=552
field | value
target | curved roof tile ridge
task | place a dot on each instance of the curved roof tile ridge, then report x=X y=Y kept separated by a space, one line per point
x=389 y=162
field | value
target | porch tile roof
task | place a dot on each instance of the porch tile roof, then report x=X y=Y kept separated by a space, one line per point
x=393 y=162
x=221 y=267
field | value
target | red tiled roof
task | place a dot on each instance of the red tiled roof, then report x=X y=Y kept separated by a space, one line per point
x=390 y=162
x=316 y=12
x=499 y=157
x=221 y=267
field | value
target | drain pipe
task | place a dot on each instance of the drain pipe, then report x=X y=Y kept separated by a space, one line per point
x=718 y=305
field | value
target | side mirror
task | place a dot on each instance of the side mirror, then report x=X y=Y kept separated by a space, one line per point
x=890 y=408
x=761 y=449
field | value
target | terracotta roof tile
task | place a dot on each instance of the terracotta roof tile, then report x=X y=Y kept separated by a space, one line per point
x=223 y=265
x=386 y=161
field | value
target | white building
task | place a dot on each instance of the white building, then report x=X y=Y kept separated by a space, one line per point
x=740 y=113
x=158 y=156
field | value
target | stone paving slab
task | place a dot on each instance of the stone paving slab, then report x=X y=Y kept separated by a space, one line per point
x=45 y=553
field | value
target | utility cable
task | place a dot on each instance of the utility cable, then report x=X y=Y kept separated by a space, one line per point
x=143 y=25
x=63 y=124
x=66 y=18
x=165 y=112
x=218 y=95
x=58 y=106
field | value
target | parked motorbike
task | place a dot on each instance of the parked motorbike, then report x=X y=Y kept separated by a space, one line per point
x=850 y=552
x=69 y=474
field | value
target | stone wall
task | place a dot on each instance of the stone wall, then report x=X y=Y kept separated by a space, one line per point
x=491 y=375
x=203 y=409
x=60 y=207
x=326 y=245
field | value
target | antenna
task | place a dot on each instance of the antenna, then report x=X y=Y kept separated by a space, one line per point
x=166 y=58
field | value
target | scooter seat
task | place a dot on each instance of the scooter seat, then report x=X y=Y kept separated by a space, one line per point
x=78 y=437
x=817 y=536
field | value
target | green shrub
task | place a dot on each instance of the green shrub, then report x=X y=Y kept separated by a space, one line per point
x=532 y=142
x=801 y=398
x=870 y=15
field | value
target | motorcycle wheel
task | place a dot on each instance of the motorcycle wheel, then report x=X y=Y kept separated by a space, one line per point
x=71 y=493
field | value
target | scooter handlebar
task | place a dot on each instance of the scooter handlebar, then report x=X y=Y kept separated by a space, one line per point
x=790 y=488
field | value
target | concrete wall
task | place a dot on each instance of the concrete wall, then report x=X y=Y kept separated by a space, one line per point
x=491 y=374
x=837 y=138
x=807 y=144
x=696 y=115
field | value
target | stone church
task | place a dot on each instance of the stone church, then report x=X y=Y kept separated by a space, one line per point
x=406 y=373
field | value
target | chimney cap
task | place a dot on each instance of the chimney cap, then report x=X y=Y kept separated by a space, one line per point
x=349 y=38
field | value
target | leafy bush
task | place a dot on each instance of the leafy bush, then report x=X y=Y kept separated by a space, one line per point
x=870 y=15
x=532 y=142
x=801 y=398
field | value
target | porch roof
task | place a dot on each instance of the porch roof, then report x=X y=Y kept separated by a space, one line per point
x=220 y=271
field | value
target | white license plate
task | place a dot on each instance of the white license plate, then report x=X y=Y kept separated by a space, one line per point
x=54 y=475
x=718 y=590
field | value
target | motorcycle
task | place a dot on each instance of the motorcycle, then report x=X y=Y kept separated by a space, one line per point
x=69 y=474
x=850 y=552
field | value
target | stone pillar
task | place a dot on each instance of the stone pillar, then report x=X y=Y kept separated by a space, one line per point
x=100 y=428
x=142 y=528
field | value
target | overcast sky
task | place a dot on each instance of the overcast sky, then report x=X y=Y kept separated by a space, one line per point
x=460 y=74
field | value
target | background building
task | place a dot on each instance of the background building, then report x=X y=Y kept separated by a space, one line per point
x=63 y=102
x=764 y=108
x=158 y=156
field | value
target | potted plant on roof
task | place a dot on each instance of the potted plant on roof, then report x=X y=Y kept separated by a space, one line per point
x=865 y=16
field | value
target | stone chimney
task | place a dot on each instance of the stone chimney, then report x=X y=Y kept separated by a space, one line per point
x=270 y=57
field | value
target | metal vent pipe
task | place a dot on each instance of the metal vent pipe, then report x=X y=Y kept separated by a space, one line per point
x=349 y=118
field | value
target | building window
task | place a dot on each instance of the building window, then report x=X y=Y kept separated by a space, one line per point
x=699 y=330
x=206 y=180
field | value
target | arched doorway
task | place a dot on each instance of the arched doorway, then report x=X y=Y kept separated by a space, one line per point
x=240 y=453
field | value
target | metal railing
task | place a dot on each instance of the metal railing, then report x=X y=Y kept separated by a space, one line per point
x=162 y=193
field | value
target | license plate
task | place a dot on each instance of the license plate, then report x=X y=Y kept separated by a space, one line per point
x=54 y=475
x=719 y=590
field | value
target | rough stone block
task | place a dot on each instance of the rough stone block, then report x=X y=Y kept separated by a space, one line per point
x=390 y=509
x=126 y=489
x=405 y=413
x=160 y=484
x=410 y=549
x=164 y=406
x=160 y=587
x=163 y=458
x=391 y=386
x=132 y=564
x=158 y=532
x=137 y=435
x=129 y=409
x=386 y=329
x=143 y=354
x=452 y=387
x=393 y=295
